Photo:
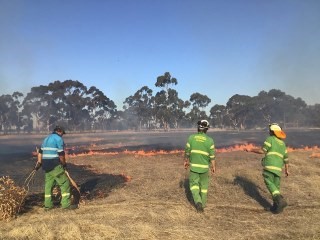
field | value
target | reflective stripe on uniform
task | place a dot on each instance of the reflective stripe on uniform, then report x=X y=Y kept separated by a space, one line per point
x=268 y=144
x=65 y=194
x=194 y=188
x=275 y=153
x=204 y=190
x=188 y=145
x=199 y=165
x=47 y=196
x=50 y=155
x=49 y=149
x=272 y=168
x=200 y=152
x=276 y=192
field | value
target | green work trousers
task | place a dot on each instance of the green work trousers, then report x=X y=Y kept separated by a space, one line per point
x=199 y=183
x=57 y=175
x=272 y=182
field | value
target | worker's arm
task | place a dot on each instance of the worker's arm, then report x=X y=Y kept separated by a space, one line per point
x=186 y=163
x=213 y=166
x=39 y=160
x=256 y=150
x=62 y=158
x=286 y=169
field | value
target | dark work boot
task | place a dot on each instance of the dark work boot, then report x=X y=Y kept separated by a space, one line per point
x=282 y=203
x=274 y=207
x=199 y=207
x=279 y=203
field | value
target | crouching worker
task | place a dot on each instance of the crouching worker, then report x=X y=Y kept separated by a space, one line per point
x=199 y=155
x=51 y=157
x=276 y=156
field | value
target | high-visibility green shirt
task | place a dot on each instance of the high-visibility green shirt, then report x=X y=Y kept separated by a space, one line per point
x=201 y=151
x=276 y=155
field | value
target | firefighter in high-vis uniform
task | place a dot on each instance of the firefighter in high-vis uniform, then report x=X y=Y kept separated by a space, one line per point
x=200 y=156
x=51 y=157
x=276 y=156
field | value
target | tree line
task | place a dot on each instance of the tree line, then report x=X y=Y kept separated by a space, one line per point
x=79 y=108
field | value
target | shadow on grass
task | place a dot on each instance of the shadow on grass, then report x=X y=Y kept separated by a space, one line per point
x=92 y=186
x=185 y=185
x=251 y=190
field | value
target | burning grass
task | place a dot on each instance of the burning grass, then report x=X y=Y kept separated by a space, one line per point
x=11 y=198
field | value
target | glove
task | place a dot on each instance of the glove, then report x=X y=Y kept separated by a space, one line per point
x=37 y=167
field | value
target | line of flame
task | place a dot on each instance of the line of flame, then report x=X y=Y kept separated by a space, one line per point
x=244 y=147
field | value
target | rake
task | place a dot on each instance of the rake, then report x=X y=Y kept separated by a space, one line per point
x=26 y=187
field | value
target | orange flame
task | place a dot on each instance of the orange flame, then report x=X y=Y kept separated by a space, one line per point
x=315 y=155
x=242 y=147
x=245 y=147
x=138 y=153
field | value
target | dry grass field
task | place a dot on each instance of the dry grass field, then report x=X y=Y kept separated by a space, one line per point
x=146 y=197
x=127 y=195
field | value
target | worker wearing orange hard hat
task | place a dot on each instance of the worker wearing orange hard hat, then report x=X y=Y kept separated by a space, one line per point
x=276 y=156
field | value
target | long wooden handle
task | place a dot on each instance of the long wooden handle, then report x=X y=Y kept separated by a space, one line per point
x=72 y=181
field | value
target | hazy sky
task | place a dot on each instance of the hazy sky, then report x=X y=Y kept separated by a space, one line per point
x=216 y=48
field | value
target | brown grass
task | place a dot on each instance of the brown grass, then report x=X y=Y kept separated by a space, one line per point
x=11 y=198
x=153 y=203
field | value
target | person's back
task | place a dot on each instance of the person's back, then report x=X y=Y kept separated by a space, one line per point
x=199 y=155
x=51 y=146
x=51 y=157
x=200 y=145
x=276 y=154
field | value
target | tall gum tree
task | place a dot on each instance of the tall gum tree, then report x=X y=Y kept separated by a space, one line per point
x=162 y=99
x=199 y=102
x=140 y=106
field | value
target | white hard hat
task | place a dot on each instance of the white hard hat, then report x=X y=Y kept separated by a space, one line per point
x=203 y=124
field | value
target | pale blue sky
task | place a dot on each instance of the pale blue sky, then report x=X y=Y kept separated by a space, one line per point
x=216 y=48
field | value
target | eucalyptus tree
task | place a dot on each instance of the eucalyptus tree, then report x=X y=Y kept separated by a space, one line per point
x=199 y=102
x=9 y=111
x=176 y=108
x=312 y=114
x=277 y=106
x=38 y=105
x=217 y=114
x=238 y=108
x=139 y=107
x=69 y=103
x=102 y=110
x=263 y=107
x=293 y=110
x=276 y=98
x=164 y=81
x=161 y=111
x=162 y=100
